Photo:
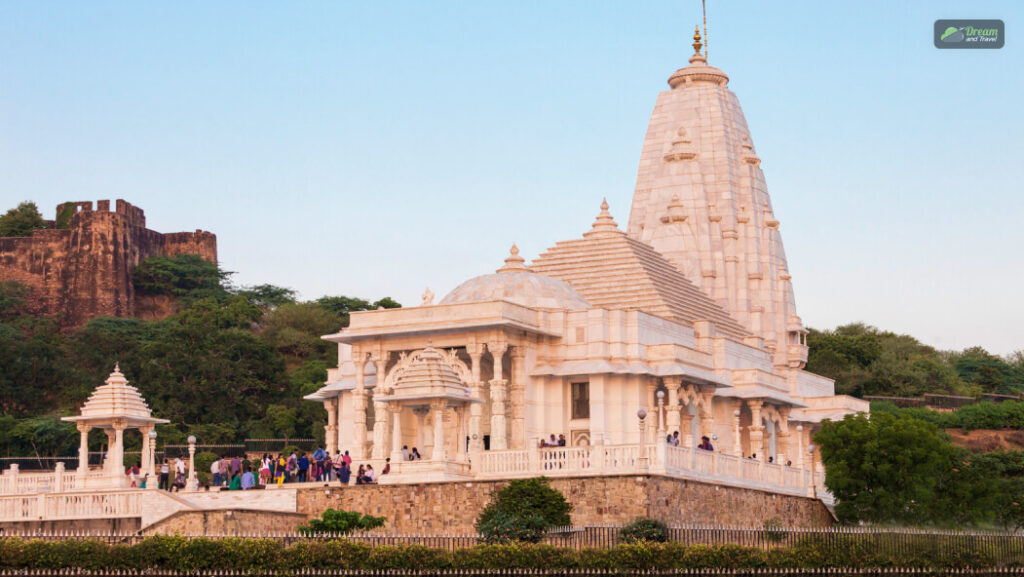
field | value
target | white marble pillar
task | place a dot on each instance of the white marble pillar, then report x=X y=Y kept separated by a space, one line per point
x=146 y=448
x=756 y=429
x=707 y=414
x=381 y=418
x=331 y=429
x=396 y=433
x=438 y=407
x=799 y=463
x=499 y=386
x=83 y=448
x=517 y=398
x=674 y=408
x=359 y=405
x=737 y=440
x=108 y=457
x=476 y=410
x=461 y=418
x=652 y=416
x=117 y=451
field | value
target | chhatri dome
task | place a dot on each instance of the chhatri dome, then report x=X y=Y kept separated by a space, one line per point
x=701 y=201
x=516 y=283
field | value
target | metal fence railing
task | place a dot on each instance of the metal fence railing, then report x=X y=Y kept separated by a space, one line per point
x=278 y=445
x=224 y=450
x=1007 y=548
x=513 y=572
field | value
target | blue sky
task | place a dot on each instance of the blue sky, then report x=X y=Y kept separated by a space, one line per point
x=375 y=148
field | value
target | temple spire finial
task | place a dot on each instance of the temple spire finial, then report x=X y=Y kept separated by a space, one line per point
x=604 y=222
x=696 y=40
x=514 y=262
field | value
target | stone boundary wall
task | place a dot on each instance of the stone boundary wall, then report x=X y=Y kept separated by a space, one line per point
x=119 y=526
x=453 y=507
x=226 y=522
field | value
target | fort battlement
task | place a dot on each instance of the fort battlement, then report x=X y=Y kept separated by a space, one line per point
x=85 y=270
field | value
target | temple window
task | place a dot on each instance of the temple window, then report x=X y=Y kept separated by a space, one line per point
x=580 y=400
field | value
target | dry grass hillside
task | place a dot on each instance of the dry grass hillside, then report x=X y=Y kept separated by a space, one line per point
x=986 y=440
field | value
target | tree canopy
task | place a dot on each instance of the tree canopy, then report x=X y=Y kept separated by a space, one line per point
x=865 y=361
x=226 y=364
x=21 y=220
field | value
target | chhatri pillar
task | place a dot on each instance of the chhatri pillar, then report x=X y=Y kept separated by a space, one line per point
x=499 y=389
x=476 y=410
x=83 y=448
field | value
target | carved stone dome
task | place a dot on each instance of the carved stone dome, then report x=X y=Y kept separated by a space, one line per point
x=516 y=283
x=429 y=369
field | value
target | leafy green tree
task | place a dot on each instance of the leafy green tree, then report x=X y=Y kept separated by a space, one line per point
x=184 y=275
x=988 y=372
x=22 y=220
x=65 y=214
x=295 y=329
x=342 y=305
x=886 y=468
x=387 y=303
x=47 y=435
x=12 y=299
x=503 y=527
x=524 y=506
x=644 y=529
x=267 y=295
x=341 y=522
x=34 y=374
x=205 y=365
x=866 y=361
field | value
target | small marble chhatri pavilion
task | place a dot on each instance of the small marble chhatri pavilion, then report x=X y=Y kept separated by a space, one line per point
x=114 y=407
x=685 y=321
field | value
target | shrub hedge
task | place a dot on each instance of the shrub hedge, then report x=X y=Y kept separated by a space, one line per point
x=263 y=555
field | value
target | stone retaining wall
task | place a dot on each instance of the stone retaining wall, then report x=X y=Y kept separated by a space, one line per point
x=226 y=522
x=453 y=507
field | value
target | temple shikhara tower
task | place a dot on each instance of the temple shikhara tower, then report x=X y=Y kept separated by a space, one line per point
x=671 y=347
x=702 y=202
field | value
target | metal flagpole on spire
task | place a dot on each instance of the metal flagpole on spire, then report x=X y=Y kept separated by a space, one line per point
x=704 y=9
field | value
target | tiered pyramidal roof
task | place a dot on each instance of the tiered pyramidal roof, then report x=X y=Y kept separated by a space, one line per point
x=116 y=400
x=612 y=270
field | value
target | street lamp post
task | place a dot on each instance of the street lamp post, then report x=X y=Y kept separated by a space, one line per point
x=193 y=480
x=642 y=460
x=661 y=442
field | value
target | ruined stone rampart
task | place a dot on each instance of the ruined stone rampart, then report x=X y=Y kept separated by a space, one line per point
x=85 y=270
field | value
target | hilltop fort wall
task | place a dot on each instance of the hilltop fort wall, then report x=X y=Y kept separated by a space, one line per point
x=85 y=270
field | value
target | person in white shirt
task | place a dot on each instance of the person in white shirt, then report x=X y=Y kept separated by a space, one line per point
x=370 y=475
x=215 y=472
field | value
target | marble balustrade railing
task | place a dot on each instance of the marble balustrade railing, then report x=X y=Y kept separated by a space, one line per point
x=683 y=462
x=16 y=482
x=84 y=505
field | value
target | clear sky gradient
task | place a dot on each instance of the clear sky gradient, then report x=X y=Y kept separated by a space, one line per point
x=374 y=148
